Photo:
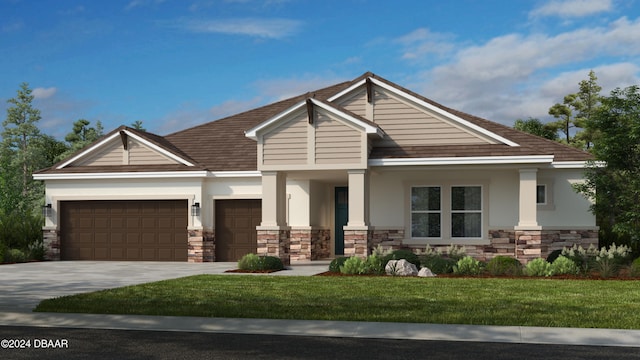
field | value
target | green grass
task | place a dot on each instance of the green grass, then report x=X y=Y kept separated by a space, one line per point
x=525 y=302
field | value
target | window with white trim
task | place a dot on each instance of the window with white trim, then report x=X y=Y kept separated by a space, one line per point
x=426 y=211
x=446 y=212
x=541 y=194
x=466 y=211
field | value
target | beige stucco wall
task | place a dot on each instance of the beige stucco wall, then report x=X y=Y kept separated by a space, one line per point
x=390 y=191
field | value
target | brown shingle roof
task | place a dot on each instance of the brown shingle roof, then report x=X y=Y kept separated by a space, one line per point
x=221 y=145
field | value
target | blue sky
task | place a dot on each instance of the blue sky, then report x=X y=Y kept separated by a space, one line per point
x=177 y=63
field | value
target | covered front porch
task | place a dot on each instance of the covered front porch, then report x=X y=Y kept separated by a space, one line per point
x=313 y=215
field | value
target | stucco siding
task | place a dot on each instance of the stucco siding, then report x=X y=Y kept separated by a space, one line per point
x=407 y=125
x=287 y=144
x=336 y=142
x=568 y=208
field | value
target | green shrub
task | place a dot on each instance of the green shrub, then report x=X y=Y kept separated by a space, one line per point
x=504 y=265
x=3 y=249
x=37 y=252
x=438 y=264
x=403 y=254
x=468 y=266
x=253 y=262
x=564 y=266
x=15 y=256
x=335 y=264
x=538 y=267
x=272 y=263
x=20 y=231
x=456 y=252
x=374 y=265
x=634 y=268
x=353 y=266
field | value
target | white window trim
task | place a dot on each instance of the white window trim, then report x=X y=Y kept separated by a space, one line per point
x=441 y=212
x=445 y=226
x=548 y=205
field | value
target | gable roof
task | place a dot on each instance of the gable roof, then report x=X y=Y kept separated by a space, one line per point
x=221 y=145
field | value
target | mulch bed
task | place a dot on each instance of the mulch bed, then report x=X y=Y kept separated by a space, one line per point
x=252 y=271
x=594 y=276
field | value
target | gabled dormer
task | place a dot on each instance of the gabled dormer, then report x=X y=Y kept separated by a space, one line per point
x=125 y=146
x=314 y=135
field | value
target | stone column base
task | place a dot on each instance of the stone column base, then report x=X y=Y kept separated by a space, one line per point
x=274 y=241
x=51 y=243
x=356 y=241
x=201 y=245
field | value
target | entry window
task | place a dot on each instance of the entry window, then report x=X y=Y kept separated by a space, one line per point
x=466 y=211
x=426 y=212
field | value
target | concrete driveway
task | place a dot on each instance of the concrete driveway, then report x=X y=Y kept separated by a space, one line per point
x=23 y=286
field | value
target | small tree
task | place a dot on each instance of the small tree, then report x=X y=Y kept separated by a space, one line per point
x=536 y=127
x=617 y=199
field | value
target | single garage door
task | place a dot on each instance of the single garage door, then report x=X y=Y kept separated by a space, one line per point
x=236 y=222
x=132 y=230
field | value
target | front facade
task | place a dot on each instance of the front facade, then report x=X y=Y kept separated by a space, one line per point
x=335 y=172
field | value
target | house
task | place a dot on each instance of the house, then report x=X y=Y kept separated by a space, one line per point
x=331 y=172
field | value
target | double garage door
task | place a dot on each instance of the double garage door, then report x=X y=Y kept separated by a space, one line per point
x=152 y=230
x=142 y=230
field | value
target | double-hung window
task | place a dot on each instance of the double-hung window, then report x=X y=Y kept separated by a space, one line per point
x=466 y=211
x=446 y=211
x=426 y=211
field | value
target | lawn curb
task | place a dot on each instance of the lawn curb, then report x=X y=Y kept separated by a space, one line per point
x=355 y=329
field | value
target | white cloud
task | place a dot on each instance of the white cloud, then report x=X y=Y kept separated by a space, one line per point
x=262 y=28
x=509 y=76
x=43 y=93
x=572 y=8
x=422 y=42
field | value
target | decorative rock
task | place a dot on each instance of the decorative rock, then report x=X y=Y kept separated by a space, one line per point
x=400 y=268
x=426 y=272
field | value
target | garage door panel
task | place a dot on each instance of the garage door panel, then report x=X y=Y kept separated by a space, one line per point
x=124 y=230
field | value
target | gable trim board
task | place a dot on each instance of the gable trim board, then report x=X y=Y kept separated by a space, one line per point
x=369 y=135
x=118 y=135
x=426 y=105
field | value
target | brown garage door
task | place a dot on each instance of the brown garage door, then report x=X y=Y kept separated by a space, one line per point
x=147 y=230
x=236 y=222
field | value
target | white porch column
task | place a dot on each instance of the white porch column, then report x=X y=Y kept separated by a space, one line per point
x=527 y=200
x=358 y=198
x=274 y=197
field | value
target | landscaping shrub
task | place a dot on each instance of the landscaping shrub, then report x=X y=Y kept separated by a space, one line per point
x=353 y=266
x=606 y=261
x=538 y=267
x=37 y=252
x=456 y=252
x=438 y=264
x=3 y=249
x=564 y=266
x=403 y=254
x=20 y=231
x=468 y=266
x=15 y=256
x=374 y=265
x=504 y=265
x=253 y=262
x=634 y=268
x=336 y=263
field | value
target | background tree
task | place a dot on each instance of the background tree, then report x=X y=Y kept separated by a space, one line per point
x=617 y=199
x=21 y=153
x=575 y=111
x=81 y=135
x=138 y=125
x=536 y=127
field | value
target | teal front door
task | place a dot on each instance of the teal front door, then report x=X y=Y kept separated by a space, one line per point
x=342 y=217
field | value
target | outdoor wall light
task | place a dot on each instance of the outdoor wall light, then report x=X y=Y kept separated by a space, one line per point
x=195 y=209
x=47 y=210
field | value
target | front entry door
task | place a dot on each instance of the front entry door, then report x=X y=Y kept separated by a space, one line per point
x=342 y=217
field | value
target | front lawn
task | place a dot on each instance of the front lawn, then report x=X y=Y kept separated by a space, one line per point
x=483 y=301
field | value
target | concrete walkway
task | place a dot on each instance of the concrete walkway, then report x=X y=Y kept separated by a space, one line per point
x=23 y=286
